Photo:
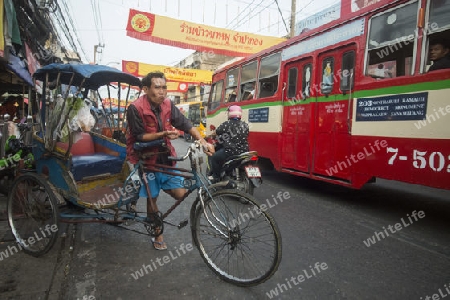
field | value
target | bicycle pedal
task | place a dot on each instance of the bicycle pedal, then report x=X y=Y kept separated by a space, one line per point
x=182 y=224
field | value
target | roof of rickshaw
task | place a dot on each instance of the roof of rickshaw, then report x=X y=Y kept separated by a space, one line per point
x=94 y=76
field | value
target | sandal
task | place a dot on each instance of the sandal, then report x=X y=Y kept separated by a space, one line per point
x=161 y=245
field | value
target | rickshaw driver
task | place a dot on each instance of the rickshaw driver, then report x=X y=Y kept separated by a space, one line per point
x=153 y=116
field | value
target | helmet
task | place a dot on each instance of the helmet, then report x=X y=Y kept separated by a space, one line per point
x=234 y=111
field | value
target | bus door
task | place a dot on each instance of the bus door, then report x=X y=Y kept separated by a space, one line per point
x=331 y=127
x=297 y=115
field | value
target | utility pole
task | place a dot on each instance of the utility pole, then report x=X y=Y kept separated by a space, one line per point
x=96 y=51
x=293 y=10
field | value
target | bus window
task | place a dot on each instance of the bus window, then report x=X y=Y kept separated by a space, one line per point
x=231 y=90
x=306 y=81
x=292 y=83
x=268 y=75
x=248 y=81
x=439 y=15
x=327 y=76
x=438 y=28
x=348 y=66
x=391 y=42
x=196 y=114
x=216 y=95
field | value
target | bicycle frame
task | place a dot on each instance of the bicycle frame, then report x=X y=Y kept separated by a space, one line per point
x=197 y=181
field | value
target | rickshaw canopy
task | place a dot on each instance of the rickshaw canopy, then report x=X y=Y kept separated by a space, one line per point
x=94 y=76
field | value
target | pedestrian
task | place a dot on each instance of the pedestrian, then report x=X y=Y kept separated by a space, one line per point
x=154 y=116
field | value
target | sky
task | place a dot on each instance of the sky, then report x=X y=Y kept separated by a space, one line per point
x=100 y=22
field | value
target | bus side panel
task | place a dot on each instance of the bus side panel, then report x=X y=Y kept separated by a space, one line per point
x=324 y=136
x=412 y=128
x=267 y=145
x=424 y=161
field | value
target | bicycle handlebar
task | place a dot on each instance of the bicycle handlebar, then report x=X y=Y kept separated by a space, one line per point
x=188 y=152
x=139 y=146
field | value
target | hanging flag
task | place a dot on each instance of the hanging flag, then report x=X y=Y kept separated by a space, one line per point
x=163 y=30
x=171 y=73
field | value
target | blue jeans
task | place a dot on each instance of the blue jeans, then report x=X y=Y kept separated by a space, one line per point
x=216 y=162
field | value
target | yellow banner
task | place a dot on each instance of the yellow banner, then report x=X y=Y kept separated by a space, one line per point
x=171 y=73
x=177 y=33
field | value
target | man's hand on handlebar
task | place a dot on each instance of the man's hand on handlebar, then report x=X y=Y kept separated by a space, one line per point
x=207 y=147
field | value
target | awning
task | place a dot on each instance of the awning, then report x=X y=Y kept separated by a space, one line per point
x=18 y=67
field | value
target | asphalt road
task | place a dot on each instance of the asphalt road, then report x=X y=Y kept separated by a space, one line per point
x=389 y=240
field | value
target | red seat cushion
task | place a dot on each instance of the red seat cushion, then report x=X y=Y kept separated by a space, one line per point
x=84 y=145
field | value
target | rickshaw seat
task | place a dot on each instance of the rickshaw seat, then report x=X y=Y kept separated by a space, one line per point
x=86 y=162
x=84 y=145
x=95 y=164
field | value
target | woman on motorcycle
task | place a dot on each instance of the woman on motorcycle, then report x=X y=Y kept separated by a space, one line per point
x=232 y=139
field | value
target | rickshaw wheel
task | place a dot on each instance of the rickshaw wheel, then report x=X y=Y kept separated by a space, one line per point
x=33 y=214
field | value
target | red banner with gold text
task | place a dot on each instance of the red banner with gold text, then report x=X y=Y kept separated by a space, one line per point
x=163 y=30
x=171 y=73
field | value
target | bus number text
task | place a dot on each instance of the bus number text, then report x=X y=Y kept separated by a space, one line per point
x=436 y=161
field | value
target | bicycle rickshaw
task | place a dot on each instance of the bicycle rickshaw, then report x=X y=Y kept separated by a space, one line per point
x=84 y=177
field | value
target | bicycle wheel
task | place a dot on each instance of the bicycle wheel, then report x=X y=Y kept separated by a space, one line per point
x=33 y=214
x=237 y=240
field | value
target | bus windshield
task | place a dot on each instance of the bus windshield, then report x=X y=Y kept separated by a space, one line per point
x=197 y=114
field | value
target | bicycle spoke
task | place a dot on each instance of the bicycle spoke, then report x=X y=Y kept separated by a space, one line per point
x=32 y=212
x=251 y=252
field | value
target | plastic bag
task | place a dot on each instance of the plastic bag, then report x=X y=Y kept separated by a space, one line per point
x=83 y=119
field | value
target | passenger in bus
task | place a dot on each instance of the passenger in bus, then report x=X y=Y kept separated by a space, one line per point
x=232 y=139
x=233 y=95
x=439 y=54
x=251 y=95
x=152 y=117
x=382 y=72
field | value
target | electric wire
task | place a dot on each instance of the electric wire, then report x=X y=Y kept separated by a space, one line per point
x=237 y=16
x=282 y=18
x=250 y=15
x=61 y=30
x=73 y=25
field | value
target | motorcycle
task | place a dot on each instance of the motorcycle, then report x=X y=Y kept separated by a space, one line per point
x=242 y=169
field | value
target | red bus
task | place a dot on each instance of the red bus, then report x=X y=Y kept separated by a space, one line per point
x=350 y=100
